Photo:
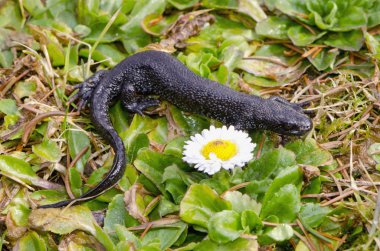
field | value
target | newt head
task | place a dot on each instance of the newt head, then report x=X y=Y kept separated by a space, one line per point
x=285 y=118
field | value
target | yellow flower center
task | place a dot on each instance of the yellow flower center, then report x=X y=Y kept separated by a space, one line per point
x=223 y=149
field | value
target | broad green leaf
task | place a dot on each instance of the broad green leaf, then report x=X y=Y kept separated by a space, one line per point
x=183 y=4
x=274 y=27
x=373 y=45
x=242 y=202
x=75 y=182
x=349 y=41
x=10 y=15
x=176 y=182
x=250 y=221
x=19 y=214
x=45 y=197
x=220 y=181
x=189 y=124
x=133 y=35
x=22 y=172
x=373 y=14
x=309 y=153
x=252 y=8
x=168 y=235
x=313 y=214
x=48 y=150
x=8 y=106
x=373 y=151
x=34 y=7
x=67 y=220
x=269 y=164
x=325 y=59
x=77 y=141
x=221 y=4
x=160 y=133
x=117 y=214
x=63 y=11
x=175 y=147
x=238 y=244
x=196 y=209
x=224 y=226
x=25 y=89
x=277 y=234
x=108 y=54
x=152 y=165
x=136 y=143
x=31 y=241
x=119 y=117
x=301 y=36
x=124 y=234
x=277 y=67
x=294 y=8
x=285 y=203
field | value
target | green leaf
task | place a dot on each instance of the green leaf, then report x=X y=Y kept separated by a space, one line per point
x=313 y=214
x=117 y=214
x=67 y=220
x=301 y=36
x=22 y=172
x=325 y=59
x=309 y=153
x=77 y=141
x=269 y=164
x=133 y=35
x=277 y=67
x=220 y=181
x=242 y=202
x=250 y=221
x=175 y=147
x=183 y=4
x=189 y=124
x=274 y=27
x=75 y=182
x=10 y=15
x=124 y=234
x=152 y=165
x=373 y=151
x=349 y=41
x=277 y=234
x=8 y=106
x=168 y=234
x=45 y=197
x=31 y=241
x=373 y=14
x=224 y=226
x=48 y=150
x=196 y=209
x=119 y=117
x=136 y=143
x=238 y=244
x=252 y=8
x=293 y=8
x=25 y=89
x=373 y=45
x=285 y=203
x=108 y=54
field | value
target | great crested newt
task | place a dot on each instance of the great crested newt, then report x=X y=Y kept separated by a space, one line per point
x=143 y=79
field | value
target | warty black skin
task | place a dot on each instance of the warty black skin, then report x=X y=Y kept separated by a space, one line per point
x=143 y=79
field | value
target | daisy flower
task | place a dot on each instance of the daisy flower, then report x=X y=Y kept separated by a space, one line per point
x=218 y=148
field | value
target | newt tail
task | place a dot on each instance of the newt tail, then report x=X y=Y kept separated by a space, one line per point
x=99 y=107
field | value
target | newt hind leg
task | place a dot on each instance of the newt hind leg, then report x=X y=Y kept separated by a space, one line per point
x=85 y=89
x=136 y=103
